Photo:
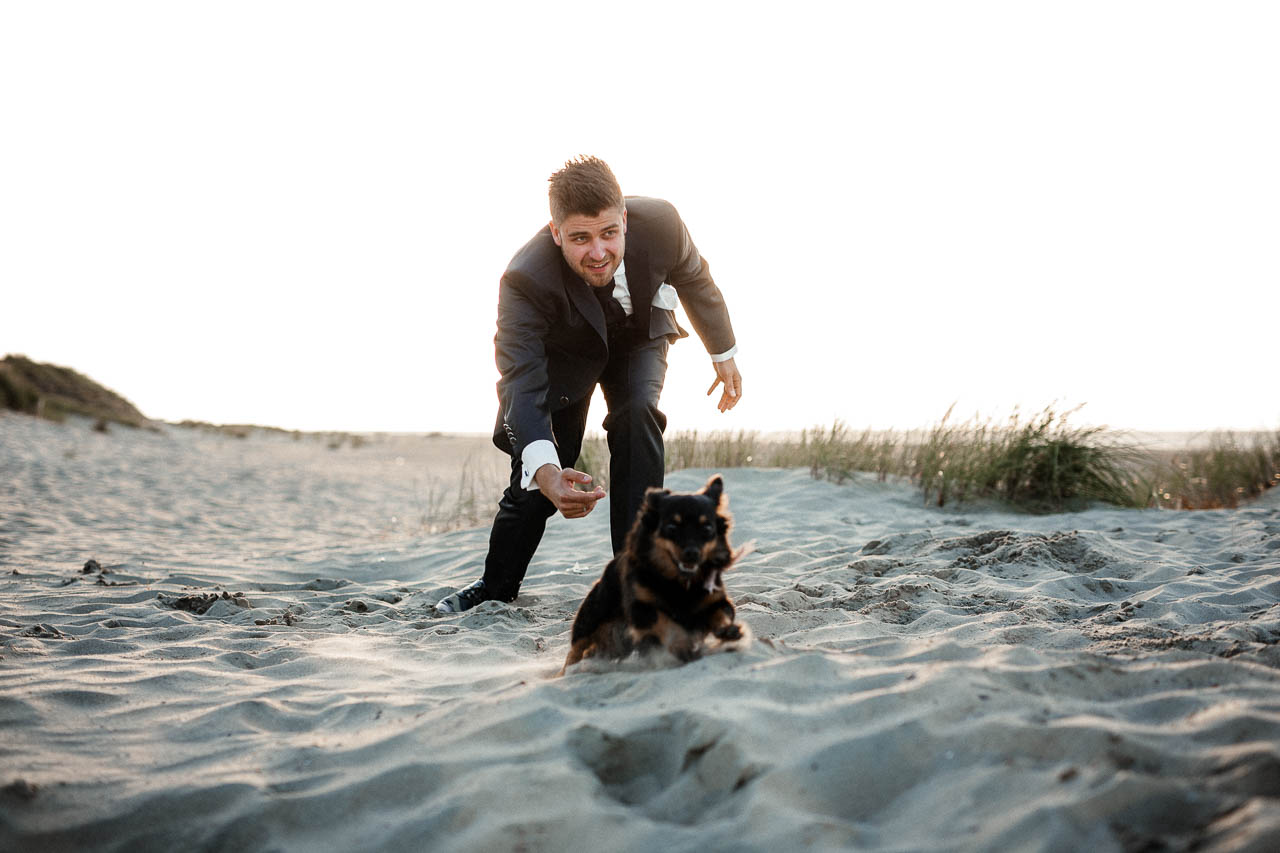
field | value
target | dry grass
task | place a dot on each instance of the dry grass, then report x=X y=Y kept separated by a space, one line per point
x=467 y=502
x=1230 y=470
x=1040 y=463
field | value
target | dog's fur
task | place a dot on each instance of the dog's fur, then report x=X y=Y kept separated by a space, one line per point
x=665 y=588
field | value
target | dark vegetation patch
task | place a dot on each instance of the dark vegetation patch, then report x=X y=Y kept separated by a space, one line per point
x=52 y=392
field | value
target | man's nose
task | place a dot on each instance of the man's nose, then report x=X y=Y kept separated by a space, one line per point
x=598 y=250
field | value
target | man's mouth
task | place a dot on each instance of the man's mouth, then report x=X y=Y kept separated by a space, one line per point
x=601 y=267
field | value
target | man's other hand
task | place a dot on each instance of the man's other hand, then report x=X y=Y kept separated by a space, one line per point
x=557 y=484
x=727 y=372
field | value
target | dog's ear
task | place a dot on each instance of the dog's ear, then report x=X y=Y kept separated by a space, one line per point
x=653 y=497
x=652 y=509
x=714 y=488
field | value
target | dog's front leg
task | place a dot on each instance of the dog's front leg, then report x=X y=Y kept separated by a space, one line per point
x=686 y=645
x=652 y=628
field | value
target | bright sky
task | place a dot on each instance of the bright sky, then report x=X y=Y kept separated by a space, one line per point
x=297 y=213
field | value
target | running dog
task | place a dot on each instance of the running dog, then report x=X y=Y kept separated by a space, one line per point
x=665 y=588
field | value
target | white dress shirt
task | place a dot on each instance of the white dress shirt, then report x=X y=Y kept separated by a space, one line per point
x=543 y=452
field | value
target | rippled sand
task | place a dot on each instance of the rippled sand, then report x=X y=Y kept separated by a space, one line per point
x=921 y=680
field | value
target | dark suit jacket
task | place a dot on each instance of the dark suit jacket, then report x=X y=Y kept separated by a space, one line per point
x=551 y=346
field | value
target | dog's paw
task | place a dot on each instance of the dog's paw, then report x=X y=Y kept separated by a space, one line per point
x=729 y=632
x=734 y=637
x=686 y=654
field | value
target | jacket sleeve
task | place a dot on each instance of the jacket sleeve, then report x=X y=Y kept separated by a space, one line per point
x=690 y=275
x=520 y=351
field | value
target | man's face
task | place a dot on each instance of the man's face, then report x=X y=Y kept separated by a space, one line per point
x=593 y=245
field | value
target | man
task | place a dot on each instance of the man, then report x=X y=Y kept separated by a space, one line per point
x=589 y=300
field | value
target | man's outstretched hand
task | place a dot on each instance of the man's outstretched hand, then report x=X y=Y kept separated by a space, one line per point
x=727 y=372
x=557 y=484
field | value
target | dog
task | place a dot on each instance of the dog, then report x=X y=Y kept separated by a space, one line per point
x=665 y=589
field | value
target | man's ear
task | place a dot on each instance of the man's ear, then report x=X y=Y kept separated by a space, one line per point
x=624 y=219
x=555 y=232
x=652 y=510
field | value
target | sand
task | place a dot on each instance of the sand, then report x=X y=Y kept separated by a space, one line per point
x=252 y=663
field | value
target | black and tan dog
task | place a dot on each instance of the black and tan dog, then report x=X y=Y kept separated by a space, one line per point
x=665 y=588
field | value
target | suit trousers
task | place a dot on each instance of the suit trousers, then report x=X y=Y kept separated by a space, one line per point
x=632 y=383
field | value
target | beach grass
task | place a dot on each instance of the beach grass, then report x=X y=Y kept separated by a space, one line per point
x=1037 y=463
x=1228 y=471
x=691 y=449
x=1040 y=463
x=465 y=502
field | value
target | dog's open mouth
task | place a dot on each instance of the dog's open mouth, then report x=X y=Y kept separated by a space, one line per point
x=688 y=568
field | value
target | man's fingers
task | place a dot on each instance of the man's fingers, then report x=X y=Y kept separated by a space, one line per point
x=732 y=385
x=576 y=498
x=732 y=393
x=571 y=497
x=576 y=510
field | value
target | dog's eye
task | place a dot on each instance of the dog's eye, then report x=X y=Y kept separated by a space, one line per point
x=670 y=530
x=709 y=529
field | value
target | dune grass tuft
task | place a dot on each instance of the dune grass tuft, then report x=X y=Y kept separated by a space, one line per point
x=1040 y=464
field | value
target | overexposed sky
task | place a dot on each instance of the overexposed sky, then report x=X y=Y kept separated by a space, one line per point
x=297 y=213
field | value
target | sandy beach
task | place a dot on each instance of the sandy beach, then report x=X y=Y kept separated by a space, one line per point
x=251 y=662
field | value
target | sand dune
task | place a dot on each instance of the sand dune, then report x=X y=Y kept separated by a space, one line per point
x=253 y=663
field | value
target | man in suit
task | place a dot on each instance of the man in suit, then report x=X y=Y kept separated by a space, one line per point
x=590 y=300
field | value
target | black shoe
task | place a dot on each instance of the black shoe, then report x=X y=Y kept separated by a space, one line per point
x=464 y=599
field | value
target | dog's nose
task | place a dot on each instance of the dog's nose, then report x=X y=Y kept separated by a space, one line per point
x=690 y=555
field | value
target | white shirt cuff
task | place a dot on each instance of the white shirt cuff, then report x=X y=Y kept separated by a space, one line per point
x=726 y=355
x=536 y=454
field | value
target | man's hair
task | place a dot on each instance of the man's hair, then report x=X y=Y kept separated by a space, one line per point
x=585 y=186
